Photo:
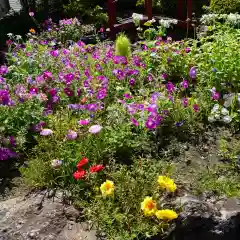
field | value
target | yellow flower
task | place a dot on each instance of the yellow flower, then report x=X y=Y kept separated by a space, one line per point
x=148 y=206
x=166 y=214
x=167 y=183
x=107 y=188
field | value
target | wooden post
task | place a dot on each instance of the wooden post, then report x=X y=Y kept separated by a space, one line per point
x=111 y=13
x=189 y=9
x=148 y=9
x=180 y=10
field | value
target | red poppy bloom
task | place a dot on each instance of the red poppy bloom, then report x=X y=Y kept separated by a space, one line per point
x=79 y=174
x=96 y=168
x=83 y=162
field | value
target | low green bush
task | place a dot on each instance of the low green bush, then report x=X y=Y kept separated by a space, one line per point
x=225 y=6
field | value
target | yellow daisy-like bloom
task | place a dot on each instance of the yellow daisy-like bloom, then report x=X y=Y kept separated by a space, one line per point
x=167 y=183
x=149 y=206
x=107 y=188
x=166 y=214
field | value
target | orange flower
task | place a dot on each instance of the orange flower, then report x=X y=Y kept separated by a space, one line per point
x=84 y=100
x=32 y=31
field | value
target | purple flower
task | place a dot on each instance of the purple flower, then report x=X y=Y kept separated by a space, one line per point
x=83 y=122
x=68 y=92
x=4 y=97
x=120 y=60
x=69 y=78
x=46 y=132
x=179 y=124
x=131 y=72
x=152 y=108
x=170 y=87
x=187 y=50
x=92 y=107
x=184 y=84
x=164 y=76
x=195 y=108
x=66 y=51
x=3 y=70
x=98 y=67
x=6 y=153
x=12 y=141
x=72 y=135
x=132 y=81
x=39 y=126
x=119 y=74
x=54 y=53
x=193 y=73
x=33 y=91
x=150 y=123
x=134 y=122
x=150 y=77
x=154 y=97
x=101 y=93
x=95 y=129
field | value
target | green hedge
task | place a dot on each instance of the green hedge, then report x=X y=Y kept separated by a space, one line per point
x=225 y=6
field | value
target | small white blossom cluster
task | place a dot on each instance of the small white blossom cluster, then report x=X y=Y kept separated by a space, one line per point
x=219 y=113
x=210 y=19
x=167 y=23
x=137 y=18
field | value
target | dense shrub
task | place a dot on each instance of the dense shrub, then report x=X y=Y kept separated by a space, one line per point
x=225 y=6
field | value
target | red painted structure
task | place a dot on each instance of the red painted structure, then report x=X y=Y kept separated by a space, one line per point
x=128 y=23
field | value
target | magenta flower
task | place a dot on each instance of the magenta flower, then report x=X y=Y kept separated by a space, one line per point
x=185 y=102
x=134 y=122
x=187 y=50
x=150 y=123
x=195 y=108
x=132 y=81
x=33 y=91
x=83 y=122
x=68 y=92
x=47 y=75
x=46 y=132
x=101 y=93
x=72 y=135
x=193 y=73
x=95 y=129
x=184 y=84
x=53 y=92
x=127 y=96
x=215 y=95
x=54 y=53
x=92 y=107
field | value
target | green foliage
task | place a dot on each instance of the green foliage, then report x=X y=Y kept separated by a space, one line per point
x=123 y=46
x=16 y=121
x=225 y=6
x=121 y=217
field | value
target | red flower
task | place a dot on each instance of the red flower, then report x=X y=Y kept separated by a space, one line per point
x=96 y=168
x=83 y=162
x=79 y=174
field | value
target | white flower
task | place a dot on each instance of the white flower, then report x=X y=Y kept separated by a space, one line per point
x=217 y=116
x=224 y=111
x=139 y=29
x=18 y=37
x=56 y=163
x=95 y=129
x=137 y=16
x=215 y=108
x=227 y=119
x=9 y=34
x=211 y=119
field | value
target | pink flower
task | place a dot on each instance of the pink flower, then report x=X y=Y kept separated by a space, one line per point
x=83 y=122
x=134 y=122
x=31 y=14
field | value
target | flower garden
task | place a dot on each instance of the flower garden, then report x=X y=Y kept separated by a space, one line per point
x=109 y=123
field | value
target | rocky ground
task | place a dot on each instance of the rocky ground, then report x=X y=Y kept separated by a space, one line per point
x=44 y=216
